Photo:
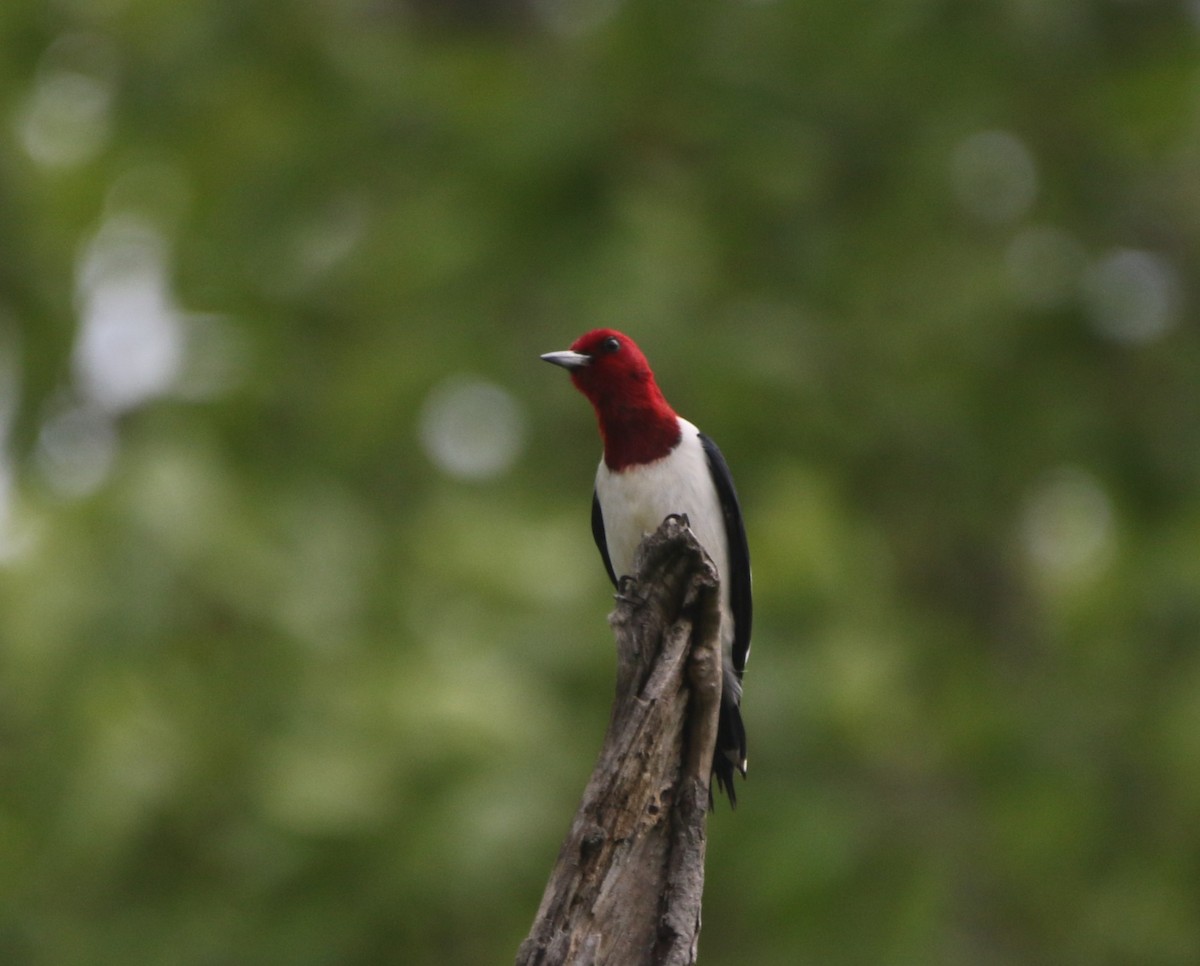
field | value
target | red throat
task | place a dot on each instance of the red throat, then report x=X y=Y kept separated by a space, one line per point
x=633 y=436
x=637 y=424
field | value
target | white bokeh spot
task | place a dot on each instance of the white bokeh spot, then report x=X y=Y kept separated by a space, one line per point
x=994 y=177
x=1067 y=527
x=130 y=346
x=471 y=429
x=1132 y=296
x=66 y=118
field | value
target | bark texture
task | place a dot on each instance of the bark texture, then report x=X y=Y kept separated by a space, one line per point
x=627 y=885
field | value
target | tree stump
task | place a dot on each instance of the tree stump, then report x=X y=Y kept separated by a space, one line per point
x=627 y=885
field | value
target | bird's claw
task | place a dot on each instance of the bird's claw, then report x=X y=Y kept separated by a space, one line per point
x=627 y=591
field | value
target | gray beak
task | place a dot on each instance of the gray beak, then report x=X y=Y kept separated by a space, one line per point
x=567 y=359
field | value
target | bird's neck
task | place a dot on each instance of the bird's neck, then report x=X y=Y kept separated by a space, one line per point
x=637 y=433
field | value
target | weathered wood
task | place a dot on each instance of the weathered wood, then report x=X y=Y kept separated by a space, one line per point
x=627 y=886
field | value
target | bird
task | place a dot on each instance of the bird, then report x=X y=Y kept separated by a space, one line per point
x=654 y=464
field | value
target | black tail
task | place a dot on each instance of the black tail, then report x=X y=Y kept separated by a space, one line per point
x=730 y=752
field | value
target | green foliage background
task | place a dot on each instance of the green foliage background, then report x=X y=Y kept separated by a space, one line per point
x=276 y=687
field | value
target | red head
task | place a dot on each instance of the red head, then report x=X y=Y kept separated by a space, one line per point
x=637 y=424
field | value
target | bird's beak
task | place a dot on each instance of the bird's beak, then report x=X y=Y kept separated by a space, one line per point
x=567 y=359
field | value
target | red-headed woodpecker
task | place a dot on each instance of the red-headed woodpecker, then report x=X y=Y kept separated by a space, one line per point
x=656 y=463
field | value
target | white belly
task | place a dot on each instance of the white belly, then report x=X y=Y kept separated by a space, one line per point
x=635 y=501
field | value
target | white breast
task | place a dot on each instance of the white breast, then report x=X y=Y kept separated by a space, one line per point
x=635 y=501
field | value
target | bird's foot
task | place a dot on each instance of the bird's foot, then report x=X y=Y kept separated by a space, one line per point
x=627 y=591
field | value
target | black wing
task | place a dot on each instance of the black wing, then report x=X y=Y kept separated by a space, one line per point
x=598 y=536
x=738 y=577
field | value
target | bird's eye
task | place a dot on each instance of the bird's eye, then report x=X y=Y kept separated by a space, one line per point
x=611 y=344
